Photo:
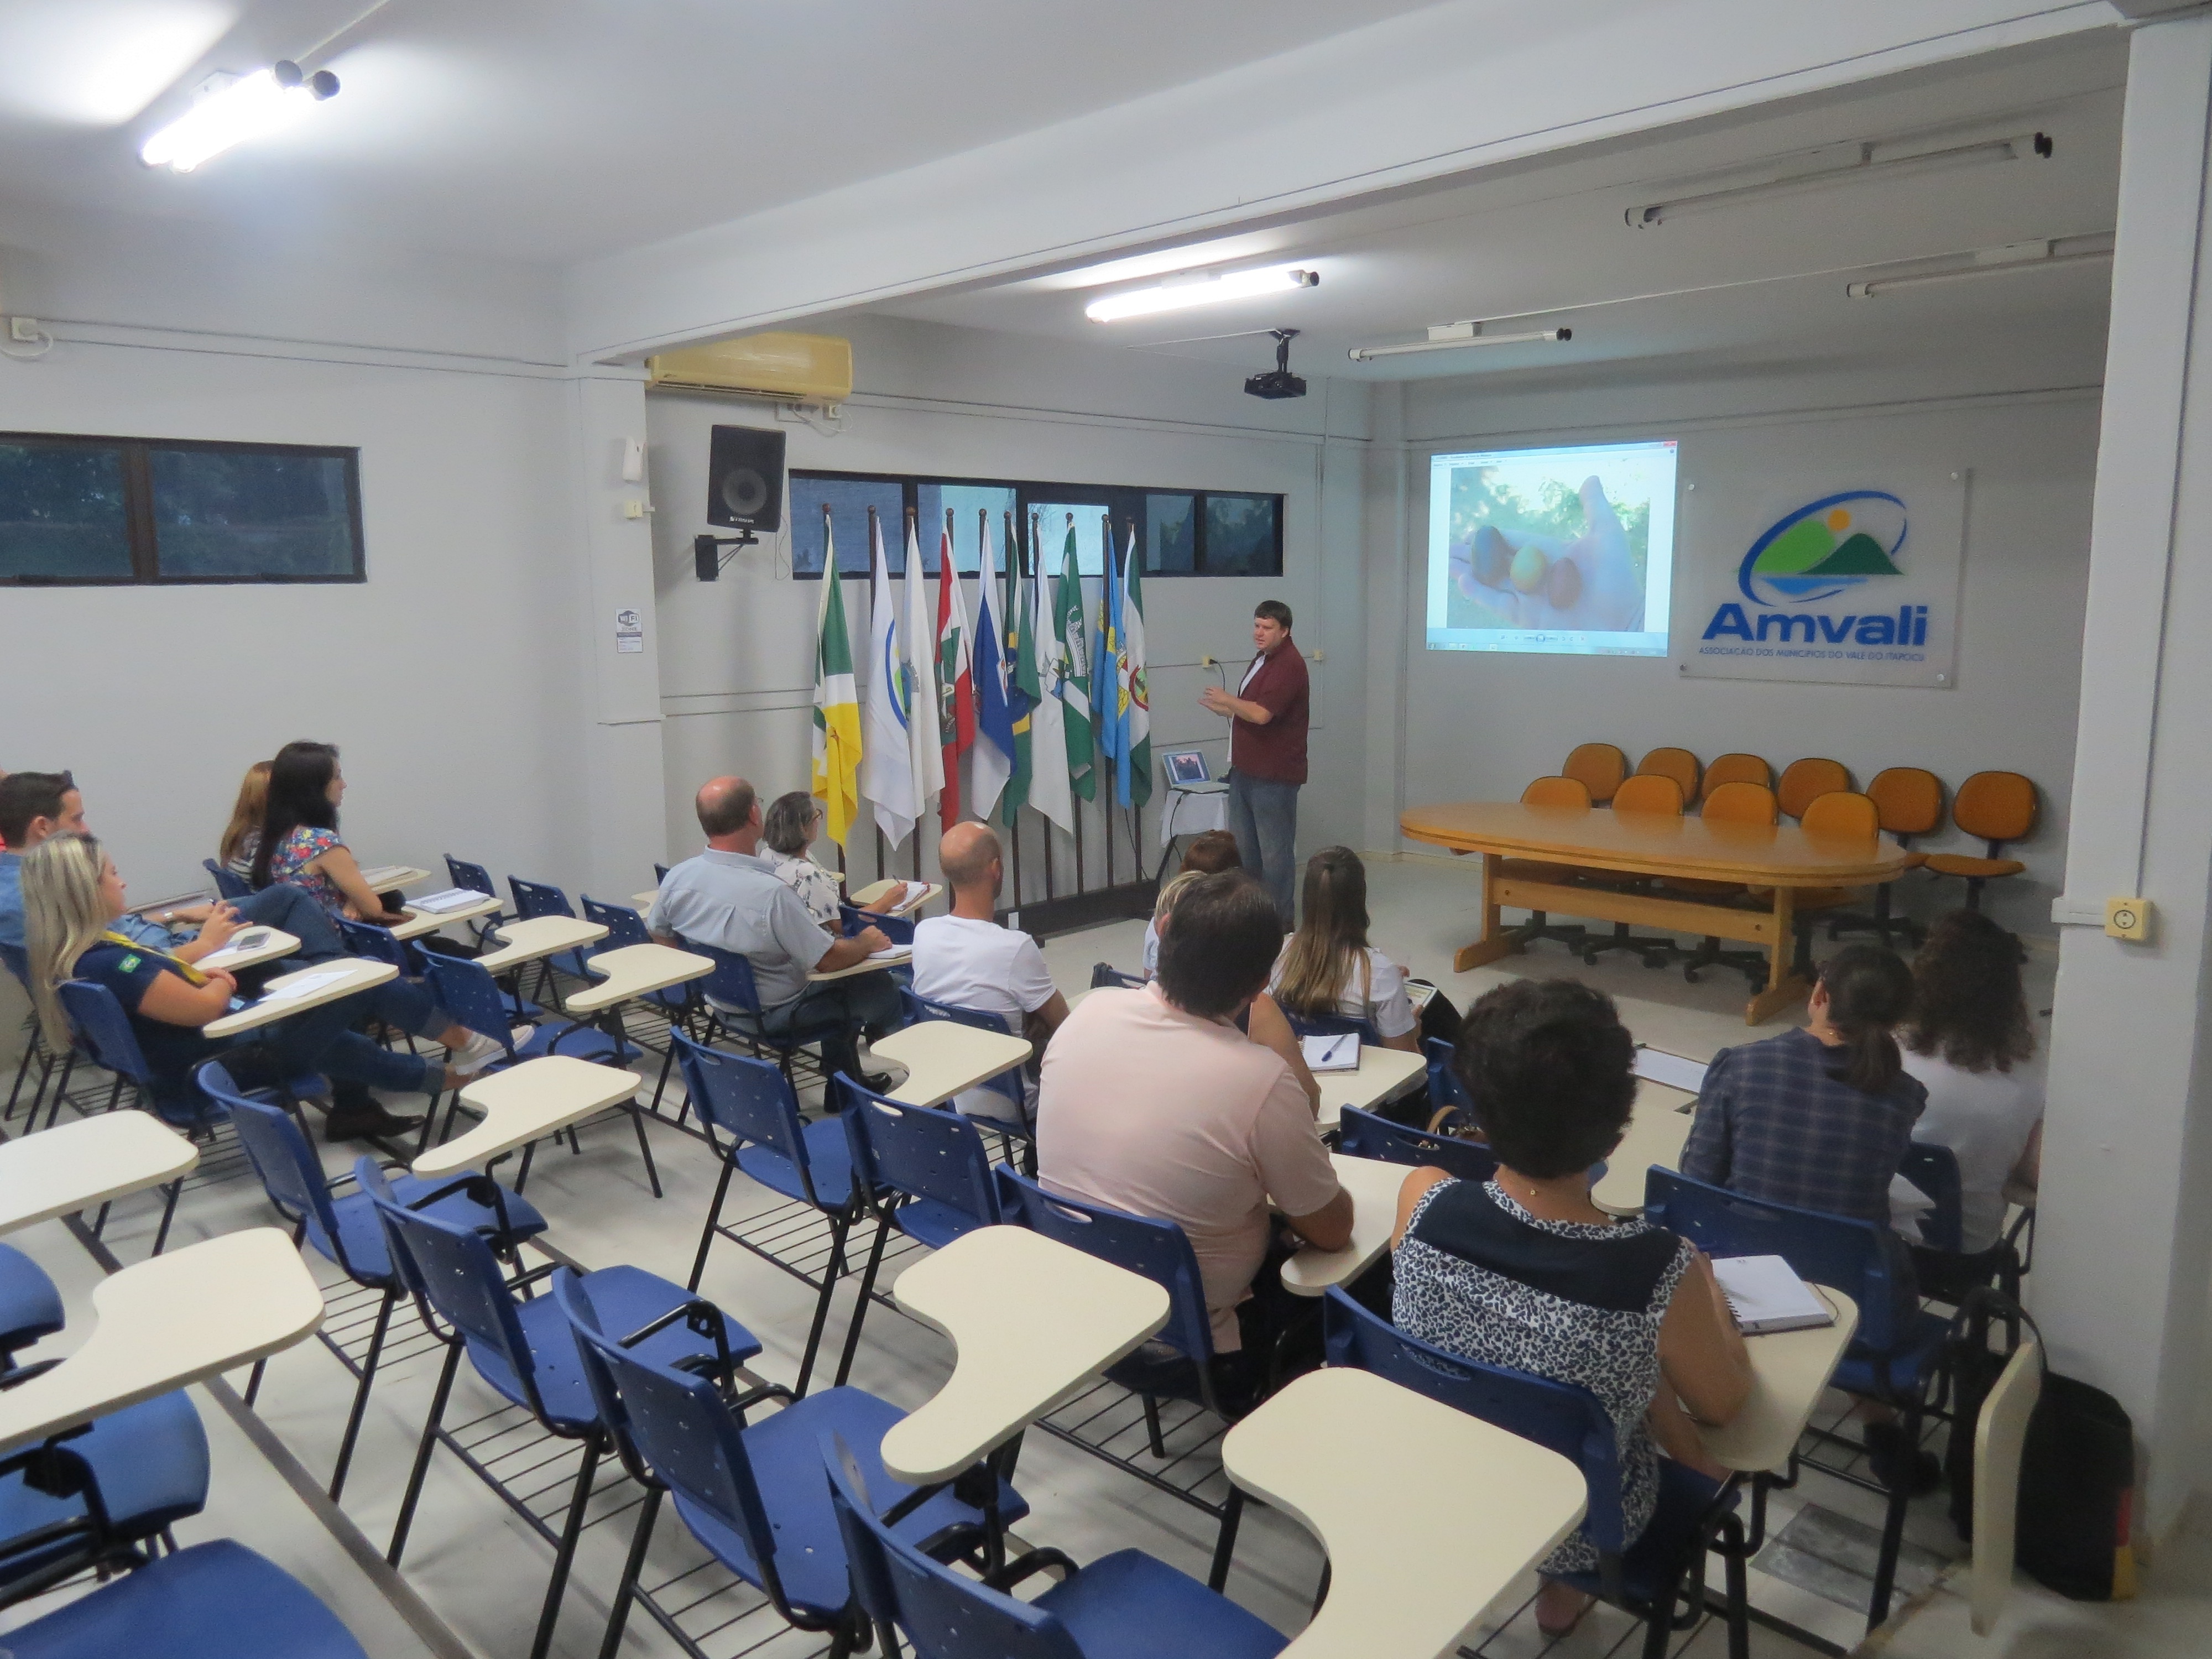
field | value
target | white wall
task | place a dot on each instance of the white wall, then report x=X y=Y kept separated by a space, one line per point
x=1480 y=726
x=736 y=655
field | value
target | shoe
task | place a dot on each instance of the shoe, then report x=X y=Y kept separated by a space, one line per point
x=354 y=1123
x=472 y=1056
x=1887 y=1456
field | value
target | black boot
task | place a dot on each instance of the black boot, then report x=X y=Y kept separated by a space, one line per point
x=357 y=1115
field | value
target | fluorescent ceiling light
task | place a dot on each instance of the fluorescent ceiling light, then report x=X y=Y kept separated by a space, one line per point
x=1457 y=337
x=1166 y=261
x=1198 y=291
x=252 y=106
x=2040 y=255
x=1846 y=164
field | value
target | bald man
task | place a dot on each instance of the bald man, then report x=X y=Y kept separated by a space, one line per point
x=729 y=896
x=967 y=960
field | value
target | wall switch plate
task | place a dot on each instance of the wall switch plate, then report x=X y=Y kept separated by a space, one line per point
x=2128 y=918
x=25 y=329
x=1320 y=656
x=634 y=508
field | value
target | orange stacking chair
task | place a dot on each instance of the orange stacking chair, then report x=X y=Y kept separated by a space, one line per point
x=1548 y=791
x=1738 y=802
x=1599 y=768
x=1736 y=768
x=1838 y=815
x=1911 y=803
x=1679 y=764
x=1804 y=781
x=1997 y=807
x=1647 y=792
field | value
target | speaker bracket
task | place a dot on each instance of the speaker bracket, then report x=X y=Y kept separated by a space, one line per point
x=708 y=557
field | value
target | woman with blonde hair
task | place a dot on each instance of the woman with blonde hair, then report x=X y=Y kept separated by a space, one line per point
x=241 y=837
x=1328 y=969
x=73 y=898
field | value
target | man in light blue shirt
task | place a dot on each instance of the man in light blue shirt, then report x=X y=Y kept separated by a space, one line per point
x=730 y=897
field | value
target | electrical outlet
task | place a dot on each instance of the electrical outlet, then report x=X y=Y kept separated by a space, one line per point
x=2128 y=919
x=1320 y=656
x=1205 y=662
x=634 y=508
x=25 y=329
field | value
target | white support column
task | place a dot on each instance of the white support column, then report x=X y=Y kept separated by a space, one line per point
x=620 y=790
x=2125 y=1237
x=1395 y=567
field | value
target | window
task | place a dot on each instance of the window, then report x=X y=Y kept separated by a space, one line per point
x=84 y=511
x=1190 y=532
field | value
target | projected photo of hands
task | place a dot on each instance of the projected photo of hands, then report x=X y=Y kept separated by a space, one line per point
x=1565 y=550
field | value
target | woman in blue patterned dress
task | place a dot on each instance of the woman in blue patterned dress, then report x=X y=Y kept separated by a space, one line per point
x=1524 y=1271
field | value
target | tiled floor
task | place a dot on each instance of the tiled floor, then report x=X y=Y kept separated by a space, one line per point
x=479 y=1571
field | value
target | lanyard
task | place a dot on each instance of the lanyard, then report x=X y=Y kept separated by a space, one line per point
x=184 y=970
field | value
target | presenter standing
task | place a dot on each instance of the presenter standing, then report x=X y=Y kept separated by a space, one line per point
x=1267 y=754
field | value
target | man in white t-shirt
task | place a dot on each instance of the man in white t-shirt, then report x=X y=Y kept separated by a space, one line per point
x=966 y=960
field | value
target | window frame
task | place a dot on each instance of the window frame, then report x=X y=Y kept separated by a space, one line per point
x=139 y=527
x=1031 y=492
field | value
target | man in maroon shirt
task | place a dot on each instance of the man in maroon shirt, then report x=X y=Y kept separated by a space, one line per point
x=1267 y=755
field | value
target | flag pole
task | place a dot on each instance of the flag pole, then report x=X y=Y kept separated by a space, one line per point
x=1037 y=562
x=1114 y=693
x=1078 y=813
x=830 y=575
x=912 y=524
x=983 y=535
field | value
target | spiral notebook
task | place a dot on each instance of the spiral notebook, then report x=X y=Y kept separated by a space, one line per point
x=1765 y=1294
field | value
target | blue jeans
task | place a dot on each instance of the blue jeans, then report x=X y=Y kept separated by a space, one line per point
x=836 y=1012
x=1263 y=815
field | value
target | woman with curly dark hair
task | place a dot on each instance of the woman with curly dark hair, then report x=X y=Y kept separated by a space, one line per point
x=1969 y=1037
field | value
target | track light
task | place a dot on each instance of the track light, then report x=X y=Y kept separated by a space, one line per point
x=1868 y=159
x=1457 y=337
x=1198 y=291
x=249 y=107
x=2040 y=255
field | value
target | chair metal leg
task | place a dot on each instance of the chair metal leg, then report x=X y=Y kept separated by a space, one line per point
x=61 y=1092
x=1159 y=1446
x=565 y=1555
x=707 y=1232
x=423 y=1452
x=861 y=1307
x=522 y=1171
x=253 y=1381
x=832 y=1271
x=644 y=1147
x=1734 y=1552
x=361 y=1392
x=1224 y=1545
x=1892 y=1521
x=175 y=1190
x=100 y=1221
x=618 y=1616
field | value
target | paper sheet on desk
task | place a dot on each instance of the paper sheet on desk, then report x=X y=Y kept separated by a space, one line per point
x=306 y=982
x=1674 y=1071
x=891 y=953
x=453 y=898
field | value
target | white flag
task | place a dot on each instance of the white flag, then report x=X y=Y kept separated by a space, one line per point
x=990 y=761
x=1048 y=790
x=922 y=731
x=886 y=752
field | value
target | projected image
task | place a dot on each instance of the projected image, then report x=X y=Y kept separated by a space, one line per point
x=1567 y=551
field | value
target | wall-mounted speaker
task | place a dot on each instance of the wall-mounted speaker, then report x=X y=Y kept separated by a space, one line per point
x=744 y=478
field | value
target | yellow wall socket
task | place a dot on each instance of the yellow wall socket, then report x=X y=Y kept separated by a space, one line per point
x=2128 y=918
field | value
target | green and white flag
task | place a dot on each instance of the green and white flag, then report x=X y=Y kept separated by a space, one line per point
x=1132 y=653
x=1072 y=655
x=1040 y=664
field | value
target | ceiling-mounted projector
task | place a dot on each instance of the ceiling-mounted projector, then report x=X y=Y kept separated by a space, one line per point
x=1279 y=381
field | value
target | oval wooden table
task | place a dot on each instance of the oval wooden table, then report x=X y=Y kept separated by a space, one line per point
x=1782 y=858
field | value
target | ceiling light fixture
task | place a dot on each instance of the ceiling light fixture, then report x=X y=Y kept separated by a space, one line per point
x=1868 y=159
x=2038 y=255
x=1457 y=337
x=234 y=109
x=1198 y=291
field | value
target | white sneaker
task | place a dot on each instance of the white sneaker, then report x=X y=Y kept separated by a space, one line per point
x=478 y=1052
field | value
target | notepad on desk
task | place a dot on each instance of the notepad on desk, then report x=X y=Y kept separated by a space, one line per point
x=304 y=984
x=1765 y=1294
x=453 y=898
x=891 y=953
x=1331 y=1054
x=1671 y=1070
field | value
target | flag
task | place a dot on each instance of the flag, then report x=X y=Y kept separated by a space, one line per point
x=1040 y=663
x=887 y=757
x=836 y=705
x=1071 y=676
x=1022 y=688
x=921 y=730
x=990 y=761
x=956 y=683
x=1105 y=659
x=1138 y=741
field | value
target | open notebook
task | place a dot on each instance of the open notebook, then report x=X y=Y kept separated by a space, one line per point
x=1765 y=1294
x=1332 y=1054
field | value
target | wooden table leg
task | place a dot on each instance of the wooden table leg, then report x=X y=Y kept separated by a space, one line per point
x=1783 y=987
x=1493 y=944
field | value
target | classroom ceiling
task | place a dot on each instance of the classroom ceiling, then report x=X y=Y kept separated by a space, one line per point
x=1757 y=280
x=555 y=131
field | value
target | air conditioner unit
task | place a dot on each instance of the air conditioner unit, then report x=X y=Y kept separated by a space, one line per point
x=789 y=368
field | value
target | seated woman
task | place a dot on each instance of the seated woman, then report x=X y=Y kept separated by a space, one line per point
x=1328 y=967
x=1970 y=1031
x=1523 y=1271
x=1209 y=854
x=72 y=896
x=787 y=828
x=299 y=841
x=241 y=837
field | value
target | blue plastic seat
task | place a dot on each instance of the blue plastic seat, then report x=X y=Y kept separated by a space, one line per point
x=346 y=1228
x=1107 y=975
x=35 y=1052
x=626 y=928
x=1446 y=1092
x=533 y=899
x=751 y=1493
x=149 y=1464
x=227 y=883
x=30 y=1306
x=524 y=1351
x=1897 y=1355
x=751 y=1101
x=917 y=1168
x=1363 y=1134
x=851 y=919
x=211 y=1601
x=1648 y=1574
x=1125 y=1605
x=733 y=1008
x=1009 y=1083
